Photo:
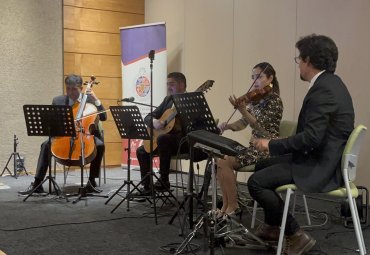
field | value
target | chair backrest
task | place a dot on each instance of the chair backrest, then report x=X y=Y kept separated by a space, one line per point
x=287 y=128
x=352 y=151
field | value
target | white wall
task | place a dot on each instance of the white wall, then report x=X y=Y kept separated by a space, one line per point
x=31 y=69
x=223 y=39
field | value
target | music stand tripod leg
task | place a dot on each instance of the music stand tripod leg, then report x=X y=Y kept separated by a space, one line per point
x=129 y=193
x=6 y=167
x=187 y=203
x=57 y=190
x=127 y=182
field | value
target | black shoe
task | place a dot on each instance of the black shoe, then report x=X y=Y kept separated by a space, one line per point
x=91 y=189
x=93 y=182
x=142 y=193
x=162 y=185
x=31 y=188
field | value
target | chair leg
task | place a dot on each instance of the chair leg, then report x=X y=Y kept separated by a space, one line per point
x=306 y=210
x=177 y=179
x=105 y=175
x=294 y=202
x=55 y=168
x=283 y=221
x=357 y=226
x=65 y=174
x=196 y=181
x=254 y=214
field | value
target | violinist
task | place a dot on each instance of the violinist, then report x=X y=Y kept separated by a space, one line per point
x=262 y=110
x=73 y=96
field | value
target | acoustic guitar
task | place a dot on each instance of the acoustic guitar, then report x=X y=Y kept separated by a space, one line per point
x=169 y=118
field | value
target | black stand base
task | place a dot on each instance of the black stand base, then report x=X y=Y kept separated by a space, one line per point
x=57 y=190
x=185 y=205
x=82 y=194
x=208 y=224
x=128 y=183
x=154 y=194
x=201 y=199
x=16 y=174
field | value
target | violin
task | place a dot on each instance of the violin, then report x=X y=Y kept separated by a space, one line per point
x=68 y=150
x=253 y=96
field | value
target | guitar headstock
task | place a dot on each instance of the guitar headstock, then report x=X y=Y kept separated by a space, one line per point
x=205 y=86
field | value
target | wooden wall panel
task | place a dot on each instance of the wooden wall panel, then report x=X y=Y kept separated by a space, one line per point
x=91 y=42
x=111 y=133
x=108 y=88
x=129 y=6
x=107 y=103
x=99 y=21
x=92 y=47
x=87 y=64
x=113 y=154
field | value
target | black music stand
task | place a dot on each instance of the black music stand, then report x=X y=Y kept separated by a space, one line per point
x=51 y=121
x=130 y=126
x=195 y=114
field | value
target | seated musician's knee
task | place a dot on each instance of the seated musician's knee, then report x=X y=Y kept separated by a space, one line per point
x=165 y=141
x=225 y=163
x=252 y=183
x=140 y=151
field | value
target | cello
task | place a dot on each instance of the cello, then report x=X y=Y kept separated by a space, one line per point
x=79 y=150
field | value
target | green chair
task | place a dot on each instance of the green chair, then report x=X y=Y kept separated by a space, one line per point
x=348 y=192
x=287 y=128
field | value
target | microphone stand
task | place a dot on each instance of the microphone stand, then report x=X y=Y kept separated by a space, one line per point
x=151 y=57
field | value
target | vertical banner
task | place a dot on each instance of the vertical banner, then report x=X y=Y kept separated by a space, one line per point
x=136 y=43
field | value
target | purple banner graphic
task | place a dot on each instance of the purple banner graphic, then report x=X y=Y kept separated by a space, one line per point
x=133 y=49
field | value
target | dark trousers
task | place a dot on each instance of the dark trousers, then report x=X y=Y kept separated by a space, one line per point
x=43 y=162
x=167 y=147
x=262 y=185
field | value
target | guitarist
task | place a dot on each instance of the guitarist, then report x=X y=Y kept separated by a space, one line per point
x=167 y=144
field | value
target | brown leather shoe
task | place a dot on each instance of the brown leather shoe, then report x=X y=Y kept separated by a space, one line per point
x=266 y=232
x=298 y=244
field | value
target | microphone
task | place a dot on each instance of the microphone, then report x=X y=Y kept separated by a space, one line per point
x=151 y=54
x=127 y=99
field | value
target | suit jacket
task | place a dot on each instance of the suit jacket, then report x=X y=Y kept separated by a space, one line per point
x=158 y=112
x=65 y=100
x=325 y=122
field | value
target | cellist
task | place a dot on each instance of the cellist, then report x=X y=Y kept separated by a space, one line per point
x=73 y=96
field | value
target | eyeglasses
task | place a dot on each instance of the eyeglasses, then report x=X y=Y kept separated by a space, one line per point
x=297 y=59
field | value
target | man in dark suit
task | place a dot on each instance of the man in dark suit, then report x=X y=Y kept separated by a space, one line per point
x=73 y=95
x=325 y=122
